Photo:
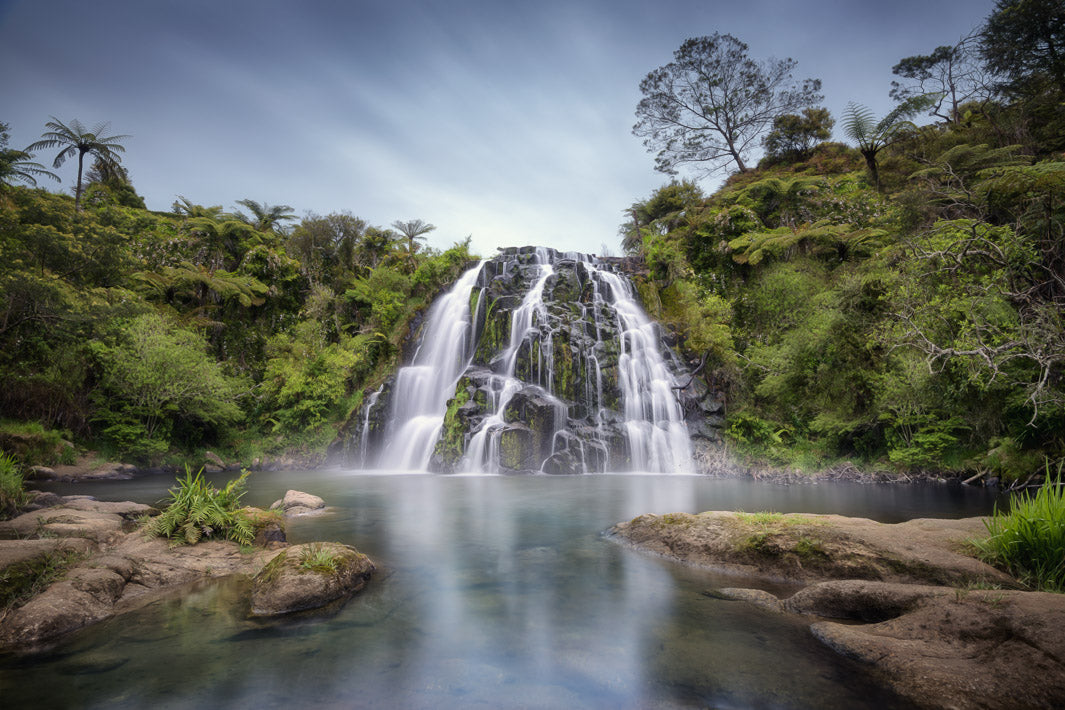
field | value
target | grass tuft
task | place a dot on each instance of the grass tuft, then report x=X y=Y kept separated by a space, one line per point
x=12 y=493
x=1029 y=540
x=319 y=559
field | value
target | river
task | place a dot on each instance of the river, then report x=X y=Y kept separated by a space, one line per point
x=492 y=592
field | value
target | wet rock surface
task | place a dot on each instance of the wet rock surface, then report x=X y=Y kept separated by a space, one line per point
x=106 y=566
x=309 y=576
x=578 y=390
x=936 y=625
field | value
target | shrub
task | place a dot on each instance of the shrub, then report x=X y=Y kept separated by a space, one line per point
x=12 y=495
x=1029 y=541
x=196 y=510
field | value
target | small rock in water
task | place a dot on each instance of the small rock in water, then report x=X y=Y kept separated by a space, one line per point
x=309 y=576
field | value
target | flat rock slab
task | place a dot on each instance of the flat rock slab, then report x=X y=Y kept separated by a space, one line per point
x=76 y=516
x=916 y=603
x=309 y=576
x=13 y=552
x=940 y=647
x=812 y=548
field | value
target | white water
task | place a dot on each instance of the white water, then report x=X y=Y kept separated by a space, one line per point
x=653 y=421
x=523 y=330
x=421 y=391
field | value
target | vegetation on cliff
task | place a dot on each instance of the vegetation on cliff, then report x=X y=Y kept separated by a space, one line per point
x=151 y=335
x=902 y=303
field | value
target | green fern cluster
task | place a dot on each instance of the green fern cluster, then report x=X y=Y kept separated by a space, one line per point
x=196 y=511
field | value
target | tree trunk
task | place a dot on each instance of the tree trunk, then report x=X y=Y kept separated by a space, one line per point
x=77 y=188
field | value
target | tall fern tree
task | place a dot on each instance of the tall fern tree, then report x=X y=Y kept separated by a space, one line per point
x=76 y=140
x=872 y=136
x=17 y=164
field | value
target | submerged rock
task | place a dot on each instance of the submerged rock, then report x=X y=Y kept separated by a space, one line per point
x=308 y=577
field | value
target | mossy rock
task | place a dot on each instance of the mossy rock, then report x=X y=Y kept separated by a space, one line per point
x=309 y=576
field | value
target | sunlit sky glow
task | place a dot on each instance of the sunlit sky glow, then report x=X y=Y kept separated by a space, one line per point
x=510 y=122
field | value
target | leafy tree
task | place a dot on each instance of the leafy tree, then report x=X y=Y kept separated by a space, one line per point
x=711 y=104
x=664 y=210
x=951 y=76
x=155 y=375
x=111 y=183
x=264 y=217
x=1024 y=40
x=795 y=135
x=327 y=244
x=76 y=140
x=17 y=164
x=413 y=231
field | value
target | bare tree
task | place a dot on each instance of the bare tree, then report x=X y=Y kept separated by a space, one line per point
x=710 y=106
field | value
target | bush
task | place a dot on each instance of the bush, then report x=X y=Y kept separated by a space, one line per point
x=1029 y=541
x=12 y=495
x=197 y=510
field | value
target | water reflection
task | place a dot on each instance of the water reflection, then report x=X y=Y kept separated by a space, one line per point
x=494 y=592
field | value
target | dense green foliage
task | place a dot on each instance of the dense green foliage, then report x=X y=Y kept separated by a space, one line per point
x=1029 y=540
x=197 y=510
x=156 y=334
x=902 y=303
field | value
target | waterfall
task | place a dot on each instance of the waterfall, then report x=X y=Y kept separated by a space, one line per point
x=535 y=360
x=421 y=390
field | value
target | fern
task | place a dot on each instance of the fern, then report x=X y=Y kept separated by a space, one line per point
x=197 y=511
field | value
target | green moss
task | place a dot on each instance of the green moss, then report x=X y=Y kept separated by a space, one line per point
x=273 y=568
x=451 y=444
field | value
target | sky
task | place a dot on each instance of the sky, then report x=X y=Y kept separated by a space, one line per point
x=507 y=122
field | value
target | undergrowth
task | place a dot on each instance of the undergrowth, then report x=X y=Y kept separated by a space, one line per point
x=197 y=510
x=1029 y=540
x=24 y=580
x=12 y=493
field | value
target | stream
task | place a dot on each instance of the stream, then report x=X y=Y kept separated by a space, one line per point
x=491 y=592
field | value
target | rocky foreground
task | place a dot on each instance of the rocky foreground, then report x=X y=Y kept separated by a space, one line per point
x=933 y=622
x=103 y=565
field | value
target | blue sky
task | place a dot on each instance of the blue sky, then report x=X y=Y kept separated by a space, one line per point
x=510 y=122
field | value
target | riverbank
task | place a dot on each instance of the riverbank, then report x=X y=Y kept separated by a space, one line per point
x=932 y=622
x=71 y=561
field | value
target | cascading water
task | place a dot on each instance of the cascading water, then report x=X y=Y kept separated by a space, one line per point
x=421 y=390
x=534 y=360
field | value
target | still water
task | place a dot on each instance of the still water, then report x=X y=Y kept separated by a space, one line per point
x=492 y=592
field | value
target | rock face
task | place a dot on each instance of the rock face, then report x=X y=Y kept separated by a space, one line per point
x=552 y=366
x=907 y=593
x=308 y=577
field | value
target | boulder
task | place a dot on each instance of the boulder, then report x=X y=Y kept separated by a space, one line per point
x=299 y=503
x=309 y=576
